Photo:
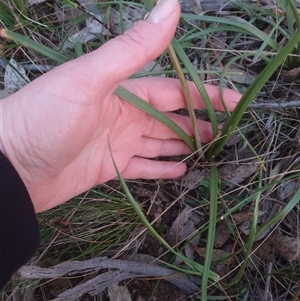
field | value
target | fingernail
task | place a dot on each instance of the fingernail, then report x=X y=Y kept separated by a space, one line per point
x=161 y=11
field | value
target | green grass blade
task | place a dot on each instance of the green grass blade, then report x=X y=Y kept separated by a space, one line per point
x=243 y=25
x=152 y=231
x=50 y=53
x=214 y=189
x=294 y=9
x=282 y=214
x=187 y=95
x=254 y=88
x=150 y=4
x=195 y=77
x=6 y=15
x=122 y=26
x=144 y=106
x=265 y=43
x=22 y=7
x=252 y=232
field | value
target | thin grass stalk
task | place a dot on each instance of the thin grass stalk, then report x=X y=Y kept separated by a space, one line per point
x=6 y=15
x=187 y=95
x=238 y=130
x=280 y=215
x=195 y=77
x=222 y=93
x=196 y=267
x=297 y=19
x=173 y=72
x=251 y=29
x=50 y=53
x=22 y=7
x=149 y=4
x=209 y=31
x=214 y=189
x=245 y=55
x=261 y=16
x=251 y=236
x=198 y=270
x=121 y=16
x=249 y=95
x=290 y=28
x=185 y=88
x=236 y=208
x=248 y=199
x=265 y=43
x=144 y=106
x=225 y=53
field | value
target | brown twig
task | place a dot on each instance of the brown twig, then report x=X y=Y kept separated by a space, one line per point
x=275 y=105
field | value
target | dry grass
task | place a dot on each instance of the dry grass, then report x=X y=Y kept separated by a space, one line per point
x=256 y=265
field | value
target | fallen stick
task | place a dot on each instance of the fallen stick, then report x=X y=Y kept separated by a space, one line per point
x=122 y=270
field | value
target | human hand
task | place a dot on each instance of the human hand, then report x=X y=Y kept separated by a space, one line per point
x=56 y=129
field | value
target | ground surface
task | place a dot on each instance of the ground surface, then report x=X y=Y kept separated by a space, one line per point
x=256 y=246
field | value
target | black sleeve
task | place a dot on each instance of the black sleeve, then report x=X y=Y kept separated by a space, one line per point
x=19 y=232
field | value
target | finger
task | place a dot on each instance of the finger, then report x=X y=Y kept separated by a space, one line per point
x=126 y=54
x=152 y=148
x=166 y=94
x=155 y=129
x=140 y=168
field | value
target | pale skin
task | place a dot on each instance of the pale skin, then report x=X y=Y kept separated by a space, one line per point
x=56 y=131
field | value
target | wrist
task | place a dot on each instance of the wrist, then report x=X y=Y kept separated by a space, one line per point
x=10 y=136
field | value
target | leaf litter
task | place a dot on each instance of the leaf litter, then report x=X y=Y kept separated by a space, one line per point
x=237 y=168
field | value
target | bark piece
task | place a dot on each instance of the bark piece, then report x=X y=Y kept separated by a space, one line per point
x=123 y=269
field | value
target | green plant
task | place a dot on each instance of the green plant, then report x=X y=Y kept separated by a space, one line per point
x=270 y=49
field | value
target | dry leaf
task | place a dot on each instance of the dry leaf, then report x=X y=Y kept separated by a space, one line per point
x=191 y=179
x=234 y=175
x=15 y=76
x=183 y=226
x=219 y=39
x=290 y=75
x=287 y=246
x=242 y=217
x=238 y=76
x=286 y=189
x=222 y=235
x=118 y=293
x=292 y=221
x=264 y=251
x=216 y=254
x=93 y=26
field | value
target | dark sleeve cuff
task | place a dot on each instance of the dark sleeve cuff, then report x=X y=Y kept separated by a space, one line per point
x=19 y=231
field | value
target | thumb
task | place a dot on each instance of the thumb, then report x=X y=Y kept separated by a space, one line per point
x=124 y=55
